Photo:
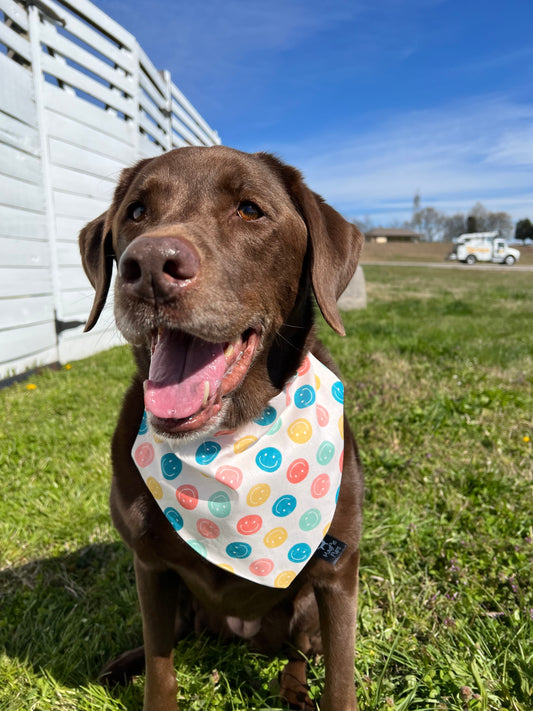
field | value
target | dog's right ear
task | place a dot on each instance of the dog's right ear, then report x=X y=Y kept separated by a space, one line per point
x=96 y=244
x=96 y=247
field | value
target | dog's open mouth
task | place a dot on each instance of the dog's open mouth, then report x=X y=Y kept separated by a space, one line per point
x=188 y=377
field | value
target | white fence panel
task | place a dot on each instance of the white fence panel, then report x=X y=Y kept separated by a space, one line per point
x=31 y=310
x=25 y=332
x=20 y=224
x=23 y=281
x=16 y=251
x=79 y=101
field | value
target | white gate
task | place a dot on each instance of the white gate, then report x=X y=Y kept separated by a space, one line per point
x=79 y=101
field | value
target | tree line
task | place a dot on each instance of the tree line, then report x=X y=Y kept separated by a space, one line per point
x=436 y=225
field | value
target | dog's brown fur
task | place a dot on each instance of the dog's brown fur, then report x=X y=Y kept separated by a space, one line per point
x=246 y=273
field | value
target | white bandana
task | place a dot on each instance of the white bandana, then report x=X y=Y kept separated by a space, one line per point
x=259 y=500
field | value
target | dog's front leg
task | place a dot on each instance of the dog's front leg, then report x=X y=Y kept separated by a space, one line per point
x=337 y=605
x=158 y=595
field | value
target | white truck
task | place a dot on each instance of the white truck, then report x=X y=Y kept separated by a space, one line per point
x=475 y=247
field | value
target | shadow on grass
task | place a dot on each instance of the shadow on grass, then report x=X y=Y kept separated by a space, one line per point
x=68 y=615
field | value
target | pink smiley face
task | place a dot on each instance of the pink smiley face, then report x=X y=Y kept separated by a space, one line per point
x=320 y=486
x=248 y=525
x=297 y=471
x=322 y=415
x=302 y=370
x=230 y=476
x=144 y=454
x=261 y=567
x=187 y=495
x=207 y=528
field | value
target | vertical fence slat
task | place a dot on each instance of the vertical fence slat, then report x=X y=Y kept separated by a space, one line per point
x=35 y=43
x=168 y=109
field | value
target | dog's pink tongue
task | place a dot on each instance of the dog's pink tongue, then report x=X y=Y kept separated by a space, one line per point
x=181 y=371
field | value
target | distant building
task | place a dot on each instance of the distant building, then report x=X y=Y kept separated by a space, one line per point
x=381 y=235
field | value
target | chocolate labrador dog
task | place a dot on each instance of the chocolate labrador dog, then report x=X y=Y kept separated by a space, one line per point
x=236 y=480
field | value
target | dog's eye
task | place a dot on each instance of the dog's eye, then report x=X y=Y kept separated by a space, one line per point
x=249 y=211
x=136 y=211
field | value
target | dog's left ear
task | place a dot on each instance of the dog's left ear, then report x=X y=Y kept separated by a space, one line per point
x=334 y=243
x=335 y=246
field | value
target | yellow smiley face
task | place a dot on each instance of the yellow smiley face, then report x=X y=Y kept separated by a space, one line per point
x=300 y=431
x=155 y=487
x=258 y=494
x=283 y=580
x=242 y=444
x=227 y=567
x=276 y=537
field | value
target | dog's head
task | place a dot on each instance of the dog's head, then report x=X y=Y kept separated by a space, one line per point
x=217 y=254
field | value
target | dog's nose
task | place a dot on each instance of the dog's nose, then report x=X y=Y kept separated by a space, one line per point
x=155 y=266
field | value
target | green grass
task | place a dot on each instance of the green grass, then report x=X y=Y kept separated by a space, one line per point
x=439 y=380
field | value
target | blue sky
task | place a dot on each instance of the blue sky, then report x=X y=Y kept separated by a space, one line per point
x=374 y=100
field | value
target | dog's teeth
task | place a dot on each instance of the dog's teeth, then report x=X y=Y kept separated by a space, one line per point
x=206 y=393
x=229 y=351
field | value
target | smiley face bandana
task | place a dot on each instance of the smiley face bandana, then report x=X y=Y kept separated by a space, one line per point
x=259 y=500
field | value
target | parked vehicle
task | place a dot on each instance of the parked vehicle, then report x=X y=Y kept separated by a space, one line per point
x=475 y=247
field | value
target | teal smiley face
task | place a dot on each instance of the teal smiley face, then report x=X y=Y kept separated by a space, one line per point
x=207 y=452
x=171 y=466
x=337 y=390
x=174 y=517
x=299 y=553
x=325 y=453
x=269 y=459
x=238 y=550
x=284 y=506
x=143 y=428
x=219 y=504
x=267 y=417
x=304 y=396
x=310 y=520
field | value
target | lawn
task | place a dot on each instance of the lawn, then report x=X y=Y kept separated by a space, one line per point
x=439 y=380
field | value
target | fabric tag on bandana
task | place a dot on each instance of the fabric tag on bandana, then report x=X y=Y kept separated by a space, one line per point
x=257 y=501
x=330 y=549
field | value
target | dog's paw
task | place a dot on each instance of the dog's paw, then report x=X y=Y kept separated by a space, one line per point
x=120 y=671
x=293 y=687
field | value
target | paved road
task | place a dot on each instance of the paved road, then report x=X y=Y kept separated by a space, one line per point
x=453 y=265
